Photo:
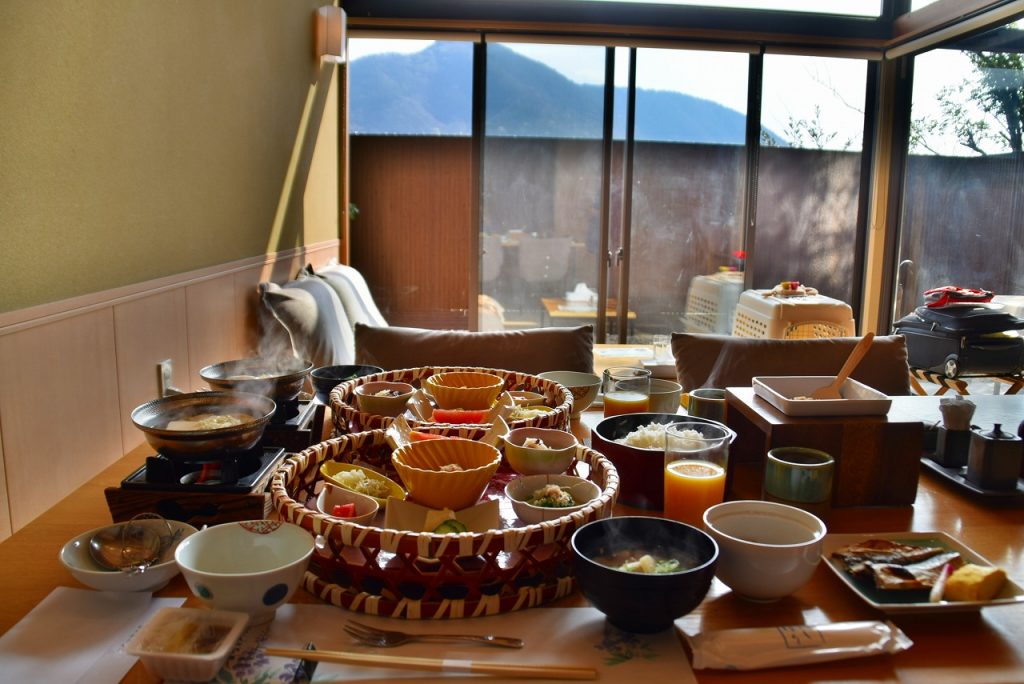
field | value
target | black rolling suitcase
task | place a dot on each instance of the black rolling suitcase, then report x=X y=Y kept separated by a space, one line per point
x=963 y=339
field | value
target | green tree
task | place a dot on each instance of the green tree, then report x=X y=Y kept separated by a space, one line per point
x=985 y=113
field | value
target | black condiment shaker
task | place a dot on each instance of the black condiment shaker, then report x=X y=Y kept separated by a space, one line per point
x=995 y=459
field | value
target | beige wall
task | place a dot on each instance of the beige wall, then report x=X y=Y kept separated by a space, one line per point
x=146 y=138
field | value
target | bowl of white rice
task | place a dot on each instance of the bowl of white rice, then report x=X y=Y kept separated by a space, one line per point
x=635 y=443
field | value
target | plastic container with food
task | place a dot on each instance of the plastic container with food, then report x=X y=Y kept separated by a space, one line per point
x=187 y=644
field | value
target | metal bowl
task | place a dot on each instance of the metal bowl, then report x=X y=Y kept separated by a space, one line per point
x=279 y=379
x=152 y=418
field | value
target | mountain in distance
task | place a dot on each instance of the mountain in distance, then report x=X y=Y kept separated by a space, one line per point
x=428 y=93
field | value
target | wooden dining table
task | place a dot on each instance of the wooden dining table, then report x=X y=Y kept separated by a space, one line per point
x=979 y=646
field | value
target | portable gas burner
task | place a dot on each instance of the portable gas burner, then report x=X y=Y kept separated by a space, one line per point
x=203 y=490
x=219 y=474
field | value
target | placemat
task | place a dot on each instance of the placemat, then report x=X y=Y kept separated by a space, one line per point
x=564 y=636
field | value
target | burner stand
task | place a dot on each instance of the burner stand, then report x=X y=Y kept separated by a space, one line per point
x=234 y=488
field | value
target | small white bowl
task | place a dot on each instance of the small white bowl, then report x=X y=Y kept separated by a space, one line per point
x=76 y=558
x=331 y=496
x=522 y=488
x=766 y=550
x=665 y=395
x=187 y=644
x=252 y=566
x=526 y=460
x=583 y=386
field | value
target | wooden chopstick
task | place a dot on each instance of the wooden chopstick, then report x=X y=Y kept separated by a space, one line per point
x=439 y=665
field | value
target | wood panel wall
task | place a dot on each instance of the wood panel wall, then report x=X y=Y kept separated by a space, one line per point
x=411 y=238
x=74 y=370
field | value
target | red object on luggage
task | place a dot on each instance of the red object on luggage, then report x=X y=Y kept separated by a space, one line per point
x=951 y=294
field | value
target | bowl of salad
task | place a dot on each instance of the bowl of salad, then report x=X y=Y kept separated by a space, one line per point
x=362 y=481
x=538 y=498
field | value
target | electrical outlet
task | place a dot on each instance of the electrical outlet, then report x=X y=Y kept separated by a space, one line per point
x=164 y=372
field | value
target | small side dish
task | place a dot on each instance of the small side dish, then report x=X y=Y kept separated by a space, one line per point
x=362 y=481
x=551 y=496
x=187 y=644
x=357 y=481
x=347 y=504
x=537 y=498
x=539 y=451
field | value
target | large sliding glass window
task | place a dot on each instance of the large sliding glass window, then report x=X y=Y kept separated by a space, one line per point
x=809 y=174
x=962 y=219
x=687 y=191
x=410 y=124
x=542 y=163
x=558 y=154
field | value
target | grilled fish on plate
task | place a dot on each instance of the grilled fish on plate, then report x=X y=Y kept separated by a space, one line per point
x=893 y=565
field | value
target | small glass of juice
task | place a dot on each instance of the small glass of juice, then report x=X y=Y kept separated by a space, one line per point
x=696 y=458
x=626 y=390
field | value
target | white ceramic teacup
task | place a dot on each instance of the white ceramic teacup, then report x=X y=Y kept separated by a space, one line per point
x=766 y=550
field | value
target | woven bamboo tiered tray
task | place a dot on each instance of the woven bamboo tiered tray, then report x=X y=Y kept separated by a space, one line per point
x=348 y=418
x=424 y=575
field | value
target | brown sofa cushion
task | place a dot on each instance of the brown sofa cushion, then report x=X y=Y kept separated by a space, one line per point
x=723 y=361
x=534 y=350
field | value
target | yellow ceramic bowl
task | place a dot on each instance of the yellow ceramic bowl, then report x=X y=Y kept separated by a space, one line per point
x=420 y=464
x=463 y=389
x=338 y=474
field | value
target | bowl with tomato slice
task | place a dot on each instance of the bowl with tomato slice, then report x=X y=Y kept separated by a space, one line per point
x=353 y=507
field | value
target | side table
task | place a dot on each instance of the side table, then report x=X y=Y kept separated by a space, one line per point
x=878 y=460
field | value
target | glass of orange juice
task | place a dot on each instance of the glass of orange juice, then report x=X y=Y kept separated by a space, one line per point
x=626 y=390
x=696 y=458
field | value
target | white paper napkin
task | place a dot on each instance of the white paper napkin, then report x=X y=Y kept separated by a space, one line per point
x=76 y=635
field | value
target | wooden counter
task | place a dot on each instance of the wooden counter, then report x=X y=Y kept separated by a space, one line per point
x=973 y=647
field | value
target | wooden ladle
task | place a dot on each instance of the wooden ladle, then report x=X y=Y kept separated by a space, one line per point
x=831 y=390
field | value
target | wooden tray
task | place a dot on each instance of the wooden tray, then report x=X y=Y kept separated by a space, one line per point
x=421 y=575
x=348 y=418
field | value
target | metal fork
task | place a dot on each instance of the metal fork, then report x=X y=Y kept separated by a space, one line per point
x=386 y=638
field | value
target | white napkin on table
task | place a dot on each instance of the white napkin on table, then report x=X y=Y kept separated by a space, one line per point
x=76 y=636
